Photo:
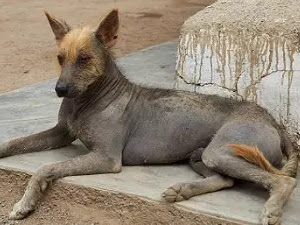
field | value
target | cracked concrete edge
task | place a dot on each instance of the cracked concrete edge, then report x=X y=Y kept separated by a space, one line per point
x=106 y=199
x=205 y=88
x=233 y=90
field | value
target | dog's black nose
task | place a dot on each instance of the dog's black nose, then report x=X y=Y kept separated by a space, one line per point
x=61 y=90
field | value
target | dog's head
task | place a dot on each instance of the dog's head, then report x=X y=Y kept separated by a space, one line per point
x=82 y=53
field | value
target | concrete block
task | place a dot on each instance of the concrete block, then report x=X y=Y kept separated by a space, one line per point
x=246 y=50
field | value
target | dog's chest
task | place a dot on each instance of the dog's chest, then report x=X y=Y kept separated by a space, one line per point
x=74 y=126
x=77 y=122
x=89 y=123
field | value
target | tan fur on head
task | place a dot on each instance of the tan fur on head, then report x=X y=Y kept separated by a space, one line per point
x=74 y=42
x=79 y=42
x=255 y=156
x=83 y=53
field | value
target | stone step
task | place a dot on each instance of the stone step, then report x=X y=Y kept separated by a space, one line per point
x=32 y=109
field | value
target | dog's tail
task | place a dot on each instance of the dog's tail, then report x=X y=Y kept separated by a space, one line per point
x=255 y=156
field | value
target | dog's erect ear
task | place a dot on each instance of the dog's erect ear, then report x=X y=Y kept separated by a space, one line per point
x=59 y=27
x=107 y=32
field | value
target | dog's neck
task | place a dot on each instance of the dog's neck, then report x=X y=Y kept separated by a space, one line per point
x=106 y=89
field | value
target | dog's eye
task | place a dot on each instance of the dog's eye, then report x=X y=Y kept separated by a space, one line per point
x=60 y=59
x=83 y=58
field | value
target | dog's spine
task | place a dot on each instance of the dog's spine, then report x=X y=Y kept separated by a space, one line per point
x=253 y=155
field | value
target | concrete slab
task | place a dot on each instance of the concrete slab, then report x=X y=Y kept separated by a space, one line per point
x=34 y=108
x=245 y=50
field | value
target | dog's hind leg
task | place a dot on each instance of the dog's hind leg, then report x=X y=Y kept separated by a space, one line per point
x=211 y=183
x=230 y=153
x=91 y=163
x=56 y=137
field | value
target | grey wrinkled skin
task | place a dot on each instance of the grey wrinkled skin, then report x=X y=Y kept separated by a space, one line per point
x=125 y=124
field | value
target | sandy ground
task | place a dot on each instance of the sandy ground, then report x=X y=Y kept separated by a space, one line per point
x=27 y=45
x=27 y=50
x=70 y=205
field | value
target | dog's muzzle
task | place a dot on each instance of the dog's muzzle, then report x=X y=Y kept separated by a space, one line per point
x=61 y=90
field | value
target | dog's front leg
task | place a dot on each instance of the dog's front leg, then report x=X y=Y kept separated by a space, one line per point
x=91 y=163
x=56 y=137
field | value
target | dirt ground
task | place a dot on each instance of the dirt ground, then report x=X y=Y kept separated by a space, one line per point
x=27 y=46
x=71 y=205
x=27 y=56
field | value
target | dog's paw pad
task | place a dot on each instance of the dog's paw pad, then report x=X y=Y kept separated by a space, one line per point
x=271 y=215
x=177 y=193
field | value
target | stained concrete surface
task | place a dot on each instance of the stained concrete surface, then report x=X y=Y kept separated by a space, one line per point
x=253 y=55
x=32 y=109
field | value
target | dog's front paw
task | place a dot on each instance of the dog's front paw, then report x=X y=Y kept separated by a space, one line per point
x=271 y=214
x=20 y=210
x=177 y=193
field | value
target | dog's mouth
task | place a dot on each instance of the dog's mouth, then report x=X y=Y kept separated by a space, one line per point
x=67 y=95
x=60 y=95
